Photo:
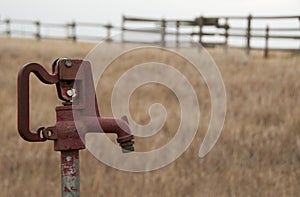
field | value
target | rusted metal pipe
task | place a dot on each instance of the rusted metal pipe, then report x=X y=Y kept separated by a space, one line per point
x=70 y=177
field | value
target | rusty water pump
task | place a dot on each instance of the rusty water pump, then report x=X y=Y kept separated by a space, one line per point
x=75 y=87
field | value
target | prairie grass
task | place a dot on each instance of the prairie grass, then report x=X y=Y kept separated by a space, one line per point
x=258 y=153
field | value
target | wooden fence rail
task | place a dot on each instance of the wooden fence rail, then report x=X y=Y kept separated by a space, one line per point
x=164 y=28
x=36 y=26
x=287 y=33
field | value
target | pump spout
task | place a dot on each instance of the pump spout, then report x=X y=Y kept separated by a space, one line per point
x=112 y=125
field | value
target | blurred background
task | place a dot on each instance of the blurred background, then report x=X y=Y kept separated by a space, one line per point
x=258 y=153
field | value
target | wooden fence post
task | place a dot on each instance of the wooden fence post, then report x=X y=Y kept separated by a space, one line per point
x=267 y=43
x=200 y=23
x=108 y=32
x=8 y=30
x=74 y=37
x=163 y=32
x=248 y=33
x=123 y=29
x=38 y=30
x=177 y=33
x=226 y=31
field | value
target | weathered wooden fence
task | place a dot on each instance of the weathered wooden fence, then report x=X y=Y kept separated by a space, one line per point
x=34 y=29
x=223 y=29
x=194 y=29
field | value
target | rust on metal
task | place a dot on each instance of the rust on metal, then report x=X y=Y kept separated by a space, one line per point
x=70 y=173
x=75 y=87
x=23 y=98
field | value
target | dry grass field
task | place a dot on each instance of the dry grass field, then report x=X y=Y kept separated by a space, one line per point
x=258 y=153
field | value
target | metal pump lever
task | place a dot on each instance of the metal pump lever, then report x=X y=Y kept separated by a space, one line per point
x=23 y=98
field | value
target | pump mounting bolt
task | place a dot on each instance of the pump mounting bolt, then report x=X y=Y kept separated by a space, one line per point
x=68 y=63
x=70 y=92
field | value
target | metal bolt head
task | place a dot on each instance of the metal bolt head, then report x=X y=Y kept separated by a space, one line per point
x=70 y=92
x=68 y=63
x=68 y=158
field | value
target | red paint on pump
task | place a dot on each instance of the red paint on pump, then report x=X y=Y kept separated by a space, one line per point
x=75 y=76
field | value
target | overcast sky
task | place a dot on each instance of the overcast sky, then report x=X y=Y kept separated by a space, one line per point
x=112 y=10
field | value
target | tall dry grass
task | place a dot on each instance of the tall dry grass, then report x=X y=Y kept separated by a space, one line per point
x=258 y=153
